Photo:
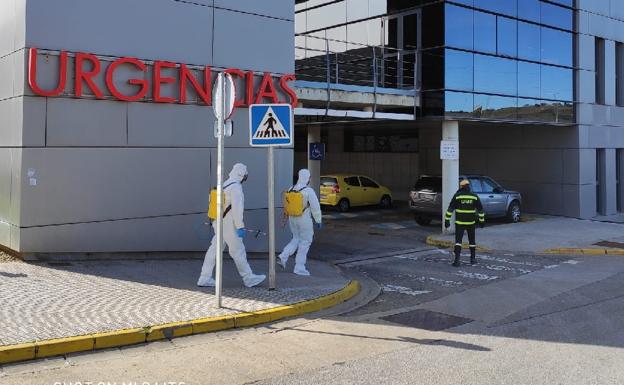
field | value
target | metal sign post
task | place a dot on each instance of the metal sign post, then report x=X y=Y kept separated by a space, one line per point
x=223 y=97
x=271 y=125
x=272 y=259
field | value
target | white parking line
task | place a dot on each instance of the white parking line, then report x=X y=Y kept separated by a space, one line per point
x=572 y=262
x=505 y=260
x=438 y=281
x=403 y=290
x=479 y=276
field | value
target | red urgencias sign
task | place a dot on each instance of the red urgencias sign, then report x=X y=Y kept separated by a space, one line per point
x=266 y=92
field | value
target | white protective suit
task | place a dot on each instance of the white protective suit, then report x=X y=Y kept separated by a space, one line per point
x=302 y=227
x=231 y=222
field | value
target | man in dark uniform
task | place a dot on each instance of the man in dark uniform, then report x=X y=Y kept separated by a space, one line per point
x=468 y=212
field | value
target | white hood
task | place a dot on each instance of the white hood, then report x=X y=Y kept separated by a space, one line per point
x=304 y=179
x=238 y=172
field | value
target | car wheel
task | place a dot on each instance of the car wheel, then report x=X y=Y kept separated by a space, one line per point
x=344 y=205
x=423 y=221
x=513 y=212
x=386 y=202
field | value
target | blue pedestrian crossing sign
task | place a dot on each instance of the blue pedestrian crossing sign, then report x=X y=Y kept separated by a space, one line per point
x=270 y=125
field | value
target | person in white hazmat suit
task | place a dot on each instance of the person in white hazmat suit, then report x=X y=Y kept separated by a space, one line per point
x=302 y=226
x=233 y=232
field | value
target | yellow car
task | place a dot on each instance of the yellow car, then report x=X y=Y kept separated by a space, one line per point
x=347 y=190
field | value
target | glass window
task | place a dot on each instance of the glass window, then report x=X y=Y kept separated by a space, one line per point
x=484 y=32
x=528 y=41
x=506 y=7
x=326 y=16
x=352 y=181
x=327 y=181
x=458 y=28
x=467 y=2
x=545 y=111
x=556 y=47
x=495 y=75
x=429 y=183
x=600 y=64
x=337 y=38
x=556 y=16
x=488 y=185
x=556 y=83
x=475 y=185
x=459 y=104
x=357 y=33
x=458 y=70
x=410 y=32
x=357 y=9
x=569 y=3
x=619 y=76
x=529 y=10
x=528 y=79
x=368 y=183
x=495 y=107
x=507 y=37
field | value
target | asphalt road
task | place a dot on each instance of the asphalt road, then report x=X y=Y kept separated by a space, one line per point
x=510 y=319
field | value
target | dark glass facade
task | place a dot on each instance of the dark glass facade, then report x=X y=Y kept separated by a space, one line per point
x=503 y=59
x=473 y=59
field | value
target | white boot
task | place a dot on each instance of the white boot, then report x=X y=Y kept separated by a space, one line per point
x=301 y=270
x=254 y=280
x=282 y=261
x=206 y=282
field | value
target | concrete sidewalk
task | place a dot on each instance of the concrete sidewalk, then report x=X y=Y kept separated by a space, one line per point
x=153 y=299
x=547 y=234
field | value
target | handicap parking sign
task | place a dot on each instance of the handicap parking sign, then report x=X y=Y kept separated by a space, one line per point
x=270 y=125
x=317 y=151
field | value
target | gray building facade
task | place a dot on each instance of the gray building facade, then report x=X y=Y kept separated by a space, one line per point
x=93 y=173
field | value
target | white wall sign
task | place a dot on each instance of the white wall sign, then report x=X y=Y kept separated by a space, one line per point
x=449 y=150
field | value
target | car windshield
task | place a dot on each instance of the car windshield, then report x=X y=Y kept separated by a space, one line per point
x=325 y=181
x=429 y=183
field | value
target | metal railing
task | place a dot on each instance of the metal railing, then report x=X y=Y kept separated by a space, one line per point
x=357 y=65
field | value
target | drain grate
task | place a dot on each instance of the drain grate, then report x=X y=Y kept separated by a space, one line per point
x=426 y=319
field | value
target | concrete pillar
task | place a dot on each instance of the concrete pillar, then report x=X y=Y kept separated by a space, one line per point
x=314 y=136
x=450 y=169
x=610 y=182
x=619 y=154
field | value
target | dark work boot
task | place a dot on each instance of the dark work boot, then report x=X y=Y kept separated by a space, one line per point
x=456 y=263
x=473 y=255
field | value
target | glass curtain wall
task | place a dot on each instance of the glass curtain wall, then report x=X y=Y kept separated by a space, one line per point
x=358 y=42
x=503 y=59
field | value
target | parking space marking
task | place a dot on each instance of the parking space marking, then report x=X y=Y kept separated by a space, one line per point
x=395 y=225
x=403 y=290
x=479 y=276
x=350 y=215
x=438 y=281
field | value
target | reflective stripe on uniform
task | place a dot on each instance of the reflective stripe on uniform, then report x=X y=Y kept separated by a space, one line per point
x=459 y=197
x=449 y=214
x=465 y=223
x=465 y=211
x=481 y=214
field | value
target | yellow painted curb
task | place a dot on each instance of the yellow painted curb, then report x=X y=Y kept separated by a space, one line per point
x=119 y=338
x=48 y=348
x=431 y=241
x=213 y=324
x=573 y=250
x=15 y=353
x=169 y=331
